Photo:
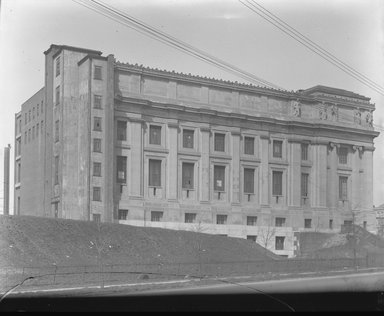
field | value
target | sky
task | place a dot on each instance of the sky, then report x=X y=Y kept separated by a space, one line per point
x=352 y=30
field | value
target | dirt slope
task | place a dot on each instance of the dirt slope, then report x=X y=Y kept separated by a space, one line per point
x=34 y=241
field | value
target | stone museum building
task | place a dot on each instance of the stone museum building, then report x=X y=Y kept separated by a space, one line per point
x=116 y=142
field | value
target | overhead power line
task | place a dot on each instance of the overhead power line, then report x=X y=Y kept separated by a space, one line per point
x=305 y=41
x=123 y=18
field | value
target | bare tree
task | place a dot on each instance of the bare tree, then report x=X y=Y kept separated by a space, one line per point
x=266 y=234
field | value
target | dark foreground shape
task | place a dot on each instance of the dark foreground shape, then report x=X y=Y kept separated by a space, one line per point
x=352 y=301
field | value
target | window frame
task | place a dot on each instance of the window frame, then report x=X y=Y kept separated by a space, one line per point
x=122 y=211
x=277 y=188
x=216 y=144
x=343 y=155
x=184 y=185
x=97 y=72
x=246 y=152
x=190 y=220
x=97 y=140
x=281 y=221
x=57 y=66
x=97 y=101
x=277 y=238
x=96 y=195
x=120 y=129
x=251 y=220
x=216 y=188
x=157 y=216
x=121 y=161
x=154 y=183
x=153 y=139
x=96 y=171
x=304 y=185
x=246 y=182
x=221 y=219
x=97 y=123
x=185 y=141
x=276 y=142
x=343 y=179
x=304 y=151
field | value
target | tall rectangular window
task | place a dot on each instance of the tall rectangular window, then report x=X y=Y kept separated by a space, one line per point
x=123 y=214
x=155 y=135
x=331 y=224
x=42 y=128
x=96 y=194
x=219 y=178
x=277 y=149
x=37 y=110
x=97 y=123
x=33 y=132
x=56 y=170
x=121 y=130
x=97 y=145
x=97 y=169
x=57 y=131
x=187 y=175
x=221 y=219
x=304 y=152
x=57 y=66
x=188 y=138
x=249 y=145
x=154 y=173
x=219 y=142
x=190 y=217
x=97 y=99
x=307 y=223
x=33 y=113
x=156 y=216
x=29 y=135
x=304 y=184
x=279 y=243
x=18 y=172
x=29 y=115
x=249 y=180
x=97 y=73
x=251 y=220
x=280 y=221
x=57 y=95
x=343 y=189
x=121 y=169
x=37 y=130
x=343 y=155
x=277 y=183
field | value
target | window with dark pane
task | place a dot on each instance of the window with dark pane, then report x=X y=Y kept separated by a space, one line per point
x=121 y=169
x=249 y=180
x=304 y=152
x=187 y=175
x=343 y=155
x=155 y=135
x=188 y=138
x=279 y=243
x=221 y=219
x=121 y=130
x=249 y=145
x=304 y=184
x=97 y=123
x=97 y=169
x=154 y=173
x=219 y=142
x=219 y=178
x=190 y=217
x=277 y=149
x=251 y=220
x=97 y=101
x=97 y=145
x=96 y=194
x=97 y=73
x=123 y=214
x=277 y=183
x=343 y=189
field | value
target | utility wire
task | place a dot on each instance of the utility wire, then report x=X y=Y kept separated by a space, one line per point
x=145 y=29
x=308 y=40
x=253 y=8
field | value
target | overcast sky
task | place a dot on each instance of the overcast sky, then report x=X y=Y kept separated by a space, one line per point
x=352 y=30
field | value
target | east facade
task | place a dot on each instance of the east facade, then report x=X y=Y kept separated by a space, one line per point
x=116 y=142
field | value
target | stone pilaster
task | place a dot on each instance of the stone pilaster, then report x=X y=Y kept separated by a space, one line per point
x=294 y=174
x=318 y=177
x=172 y=161
x=235 y=198
x=204 y=169
x=136 y=163
x=333 y=181
x=264 y=174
